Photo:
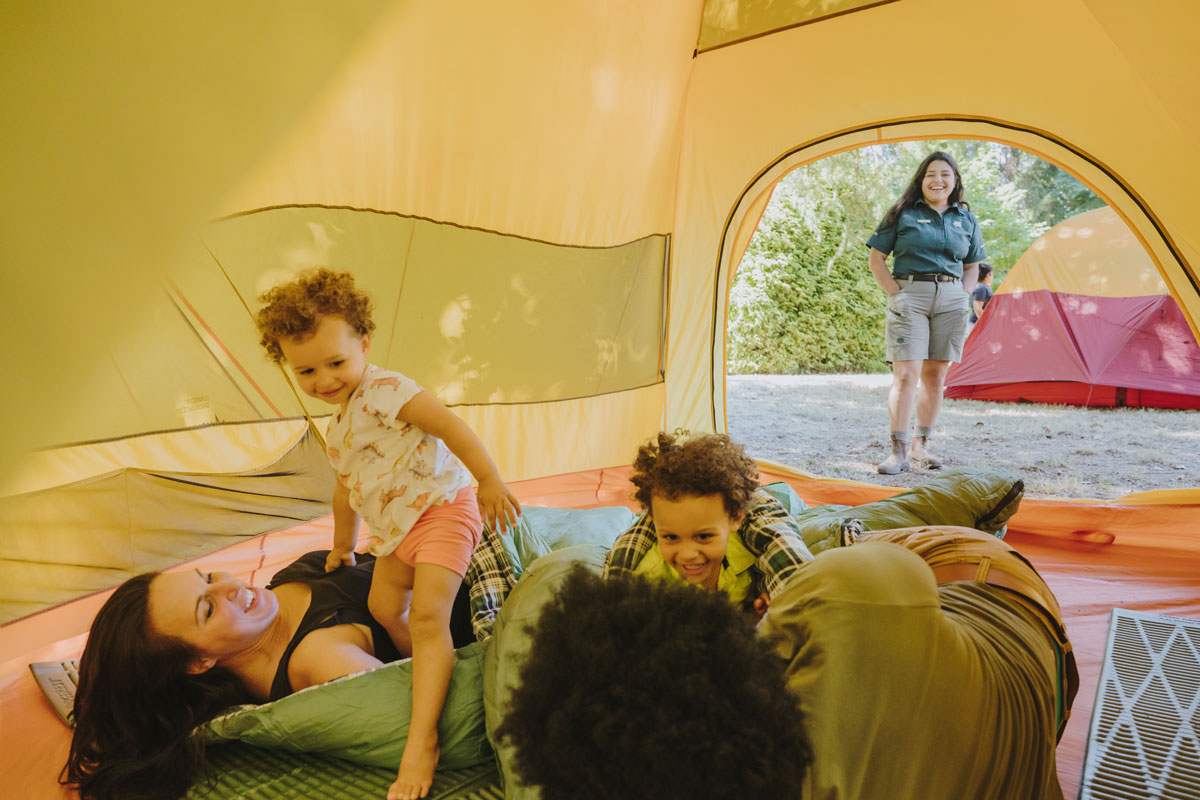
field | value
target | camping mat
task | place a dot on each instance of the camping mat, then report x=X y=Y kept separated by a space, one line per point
x=1142 y=744
x=255 y=773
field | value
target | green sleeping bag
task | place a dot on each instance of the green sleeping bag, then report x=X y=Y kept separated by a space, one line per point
x=364 y=717
x=509 y=645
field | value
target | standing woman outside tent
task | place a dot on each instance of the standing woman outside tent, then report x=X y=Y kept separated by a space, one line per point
x=937 y=247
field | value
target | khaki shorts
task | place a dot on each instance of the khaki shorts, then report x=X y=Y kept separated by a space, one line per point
x=927 y=321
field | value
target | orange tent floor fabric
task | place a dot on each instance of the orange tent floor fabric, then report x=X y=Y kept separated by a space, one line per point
x=1144 y=571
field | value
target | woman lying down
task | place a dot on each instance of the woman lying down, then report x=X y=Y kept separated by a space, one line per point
x=170 y=651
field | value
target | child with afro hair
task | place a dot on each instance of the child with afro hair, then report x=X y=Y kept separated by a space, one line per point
x=707 y=522
x=647 y=689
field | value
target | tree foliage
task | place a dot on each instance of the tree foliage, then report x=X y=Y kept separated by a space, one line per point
x=804 y=300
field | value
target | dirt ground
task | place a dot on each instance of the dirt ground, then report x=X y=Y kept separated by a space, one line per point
x=836 y=426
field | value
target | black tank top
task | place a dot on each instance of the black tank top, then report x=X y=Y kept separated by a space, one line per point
x=340 y=598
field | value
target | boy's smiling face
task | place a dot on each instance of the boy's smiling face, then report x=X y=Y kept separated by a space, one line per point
x=693 y=533
x=330 y=364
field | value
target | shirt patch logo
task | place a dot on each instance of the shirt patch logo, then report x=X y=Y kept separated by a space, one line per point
x=926 y=221
x=958 y=224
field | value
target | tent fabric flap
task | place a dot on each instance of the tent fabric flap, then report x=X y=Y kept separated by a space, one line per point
x=95 y=533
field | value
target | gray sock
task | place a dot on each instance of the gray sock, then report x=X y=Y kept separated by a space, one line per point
x=901 y=436
x=923 y=431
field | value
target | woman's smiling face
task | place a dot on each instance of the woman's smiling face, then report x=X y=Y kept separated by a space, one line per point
x=693 y=533
x=938 y=183
x=217 y=614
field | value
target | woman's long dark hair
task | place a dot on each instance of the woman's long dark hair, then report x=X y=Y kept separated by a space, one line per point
x=913 y=193
x=137 y=705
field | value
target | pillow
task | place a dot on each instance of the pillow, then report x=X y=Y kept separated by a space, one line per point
x=364 y=717
x=541 y=530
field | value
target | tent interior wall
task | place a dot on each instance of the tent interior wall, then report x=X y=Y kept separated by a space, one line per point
x=547 y=200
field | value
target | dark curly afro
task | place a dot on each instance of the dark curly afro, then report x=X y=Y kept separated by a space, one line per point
x=656 y=690
x=295 y=309
x=677 y=465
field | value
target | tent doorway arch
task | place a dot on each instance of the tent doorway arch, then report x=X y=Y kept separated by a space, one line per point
x=742 y=218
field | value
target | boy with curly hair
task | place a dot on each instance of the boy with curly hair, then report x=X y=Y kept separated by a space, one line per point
x=707 y=522
x=404 y=462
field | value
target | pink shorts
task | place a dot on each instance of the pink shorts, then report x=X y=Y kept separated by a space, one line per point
x=445 y=534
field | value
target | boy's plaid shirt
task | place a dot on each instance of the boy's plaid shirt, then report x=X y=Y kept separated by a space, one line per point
x=489 y=580
x=767 y=530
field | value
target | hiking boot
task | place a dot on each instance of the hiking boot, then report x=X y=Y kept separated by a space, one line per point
x=897 y=462
x=920 y=455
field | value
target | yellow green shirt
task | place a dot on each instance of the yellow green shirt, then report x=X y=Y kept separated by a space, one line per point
x=735 y=578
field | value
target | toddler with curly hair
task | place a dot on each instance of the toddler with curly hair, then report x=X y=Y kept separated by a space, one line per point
x=404 y=463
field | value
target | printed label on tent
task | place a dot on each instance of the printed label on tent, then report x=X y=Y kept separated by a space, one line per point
x=196 y=410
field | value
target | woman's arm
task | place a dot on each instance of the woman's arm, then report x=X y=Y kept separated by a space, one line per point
x=329 y=653
x=498 y=505
x=970 y=277
x=877 y=261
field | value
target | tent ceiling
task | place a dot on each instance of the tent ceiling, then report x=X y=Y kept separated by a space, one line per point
x=581 y=125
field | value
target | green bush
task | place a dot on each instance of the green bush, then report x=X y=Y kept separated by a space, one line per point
x=803 y=300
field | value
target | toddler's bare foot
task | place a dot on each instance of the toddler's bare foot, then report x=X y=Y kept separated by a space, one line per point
x=416 y=772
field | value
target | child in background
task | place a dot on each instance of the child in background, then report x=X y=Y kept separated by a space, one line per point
x=402 y=461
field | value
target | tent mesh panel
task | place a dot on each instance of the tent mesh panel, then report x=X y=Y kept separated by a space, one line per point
x=1143 y=739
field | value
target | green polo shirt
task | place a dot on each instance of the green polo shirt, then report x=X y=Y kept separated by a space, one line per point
x=925 y=242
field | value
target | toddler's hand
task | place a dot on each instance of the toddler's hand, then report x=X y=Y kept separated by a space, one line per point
x=497 y=505
x=338 y=557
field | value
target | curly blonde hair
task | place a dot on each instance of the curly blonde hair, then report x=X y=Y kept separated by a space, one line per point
x=676 y=465
x=294 y=309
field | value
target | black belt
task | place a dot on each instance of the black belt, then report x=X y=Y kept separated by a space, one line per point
x=923 y=276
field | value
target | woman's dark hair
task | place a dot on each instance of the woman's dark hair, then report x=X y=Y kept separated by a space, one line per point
x=676 y=465
x=913 y=193
x=136 y=705
x=985 y=269
x=651 y=689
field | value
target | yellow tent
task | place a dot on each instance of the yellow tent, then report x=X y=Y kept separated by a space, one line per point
x=547 y=201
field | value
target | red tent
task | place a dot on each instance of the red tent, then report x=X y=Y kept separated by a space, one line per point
x=1084 y=318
